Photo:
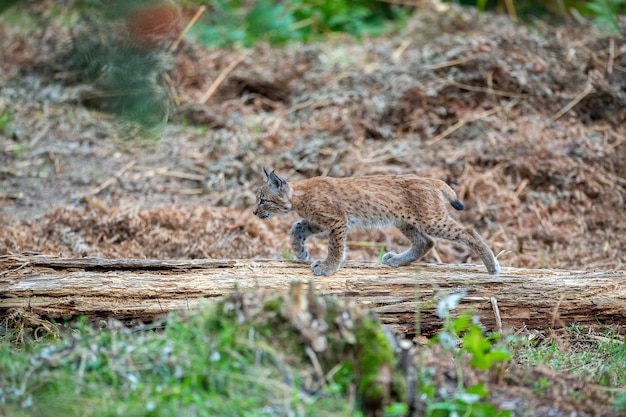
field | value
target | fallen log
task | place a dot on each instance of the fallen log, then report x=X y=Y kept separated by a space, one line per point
x=142 y=289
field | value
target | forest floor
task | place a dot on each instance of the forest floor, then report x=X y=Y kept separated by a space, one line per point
x=527 y=124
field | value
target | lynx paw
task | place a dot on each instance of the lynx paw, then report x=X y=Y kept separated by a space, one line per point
x=391 y=259
x=399 y=259
x=495 y=269
x=302 y=254
x=321 y=268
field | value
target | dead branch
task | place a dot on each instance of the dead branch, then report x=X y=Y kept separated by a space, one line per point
x=145 y=288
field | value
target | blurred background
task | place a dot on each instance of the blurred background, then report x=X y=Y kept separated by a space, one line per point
x=139 y=129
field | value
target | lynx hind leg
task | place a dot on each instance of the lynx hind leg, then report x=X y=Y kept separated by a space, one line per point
x=489 y=259
x=336 y=251
x=299 y=232
x=420 y=245
x=453 y=231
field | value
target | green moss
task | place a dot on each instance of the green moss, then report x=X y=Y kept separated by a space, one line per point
x=374 y=354
x=273 y=305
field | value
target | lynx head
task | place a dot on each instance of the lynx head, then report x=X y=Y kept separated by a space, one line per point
x=273 y=197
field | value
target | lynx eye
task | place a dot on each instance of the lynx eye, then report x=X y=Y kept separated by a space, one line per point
x=262 y=201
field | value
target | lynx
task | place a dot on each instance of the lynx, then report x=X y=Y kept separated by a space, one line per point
x=415 y=205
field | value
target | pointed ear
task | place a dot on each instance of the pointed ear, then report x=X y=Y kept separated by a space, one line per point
x=276 y=182
x=267 y=174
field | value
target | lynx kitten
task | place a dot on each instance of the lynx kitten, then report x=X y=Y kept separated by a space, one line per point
x=415 y=205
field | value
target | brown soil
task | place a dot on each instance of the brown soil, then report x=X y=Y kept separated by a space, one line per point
x=471 y=99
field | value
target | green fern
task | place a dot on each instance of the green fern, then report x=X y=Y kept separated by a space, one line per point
x=605 y=12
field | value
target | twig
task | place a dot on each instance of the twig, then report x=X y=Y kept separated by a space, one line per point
x=395 y=56
x=94 y=203
x=184 y=175
x=191 y=191
x=435 y=255
x=170 y=86
x=604 y=339
x=496 y=312
x=555 y=314
x=308 y=103
x=446 y=64
x=220 y=78
x=363 y=244
x=12 y=196
x=333 y=161
x=503 y=252
x=609 y=65
x=463 y=122
x=15 y=269
x=510 y=9
x=487 y=90
x=588 y=89
x=111 y=180
x=314 y=361
x=192 y=22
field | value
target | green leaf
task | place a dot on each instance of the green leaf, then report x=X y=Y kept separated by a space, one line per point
x=461 y=323
x=483 y=355
x=269 y=21
x=478 y=389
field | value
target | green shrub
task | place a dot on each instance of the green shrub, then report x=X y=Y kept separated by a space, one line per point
x=229 y=23
x=603 y=12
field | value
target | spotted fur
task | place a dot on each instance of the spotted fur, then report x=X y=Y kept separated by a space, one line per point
x=415 y=205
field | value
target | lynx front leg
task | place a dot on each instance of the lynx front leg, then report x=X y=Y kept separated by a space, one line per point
x=336 y=250
x=299 y=232
x=420 y=245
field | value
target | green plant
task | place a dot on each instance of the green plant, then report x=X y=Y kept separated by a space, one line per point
x=540 y=386
x=5 y=120
x=381 y=253
x=605 y=12
x=18 y=150
x=396 y=410
x=247 y=356
x=205 y=364
x=354 y=17
x=463 y=336
x=7 y=129
x=599 y=358
x=481 y=348
x=271 y=22
x=230 y=23
x=620 y=402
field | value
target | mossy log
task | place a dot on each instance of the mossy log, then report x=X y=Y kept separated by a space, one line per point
x=143 y=289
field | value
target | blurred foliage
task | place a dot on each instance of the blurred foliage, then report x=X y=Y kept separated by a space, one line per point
x=122 y=50
x=121 y=47
x=605 y=12
x=602 y=12
x=245 y=22
x=5 y=4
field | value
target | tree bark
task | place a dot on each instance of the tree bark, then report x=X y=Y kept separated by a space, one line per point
x=143 y=289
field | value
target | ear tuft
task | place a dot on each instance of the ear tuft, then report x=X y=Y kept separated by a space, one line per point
x=277 y=183
x=266 y=173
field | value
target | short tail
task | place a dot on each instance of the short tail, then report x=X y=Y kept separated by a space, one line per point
x=450 y=195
